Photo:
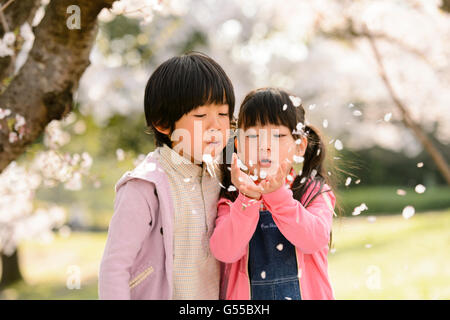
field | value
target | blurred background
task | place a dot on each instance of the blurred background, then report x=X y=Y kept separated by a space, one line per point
x=373 y=76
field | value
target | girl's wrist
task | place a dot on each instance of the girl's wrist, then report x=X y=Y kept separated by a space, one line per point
x=250 y=196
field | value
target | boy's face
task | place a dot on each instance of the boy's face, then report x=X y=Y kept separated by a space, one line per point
x=202 y=131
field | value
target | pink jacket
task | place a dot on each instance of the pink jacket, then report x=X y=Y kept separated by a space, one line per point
x=307 y=228
x=137 y=260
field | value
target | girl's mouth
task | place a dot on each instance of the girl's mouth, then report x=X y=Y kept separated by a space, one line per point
x=265 y=163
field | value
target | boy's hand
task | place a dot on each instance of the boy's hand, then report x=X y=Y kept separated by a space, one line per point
x=275 y=182
x=243 y=182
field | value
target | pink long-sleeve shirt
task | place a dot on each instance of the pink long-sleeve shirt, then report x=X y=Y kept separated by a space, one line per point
x=308 y=229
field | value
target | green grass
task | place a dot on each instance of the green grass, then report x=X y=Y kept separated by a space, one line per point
x=384 y=199
x=408 y=259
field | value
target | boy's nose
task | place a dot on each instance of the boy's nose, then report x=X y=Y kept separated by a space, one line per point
x=213 y=124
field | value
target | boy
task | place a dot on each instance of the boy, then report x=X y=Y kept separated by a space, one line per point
x=165 y=209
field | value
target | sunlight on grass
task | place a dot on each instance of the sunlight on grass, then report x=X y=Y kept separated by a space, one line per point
x=391 y=258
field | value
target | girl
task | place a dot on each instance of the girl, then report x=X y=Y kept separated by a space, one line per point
x=273 y=231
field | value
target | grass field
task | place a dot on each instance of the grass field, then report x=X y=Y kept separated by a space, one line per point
x=389 y=258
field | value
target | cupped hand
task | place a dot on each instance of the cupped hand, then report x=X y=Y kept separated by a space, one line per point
x=276 y=181
x=243 y=182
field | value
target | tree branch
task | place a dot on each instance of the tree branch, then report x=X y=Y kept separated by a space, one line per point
x=409 y=122
x=445 y=6
x=43 y=90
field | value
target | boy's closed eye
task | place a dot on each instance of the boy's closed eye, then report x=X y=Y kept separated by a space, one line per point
x=204 y=115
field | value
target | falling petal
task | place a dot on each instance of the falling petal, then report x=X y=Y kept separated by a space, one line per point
x=408 y=212
x=325 y=123
x=262 y=174
x=420 y=188
x=338 y=144
x=358 y=181
x=312 y=106
x=359 y=209
x=231 y=188
x=285 y=107
x=313 y=173
x=348 y=181
x=120 y=154
x=318 y=152
x=280 y=247
x=368 y=246
x=298 y=141
x=207 y=158
x=357 y=113
x=298 y=159
x=241 y=165
x=388 y=116
x=401 y=192
x=296 y=101
x=287 y=298
x=187 y=179
x=263 y=275
x=351 y=105
x=420 y=165
x=371 y=219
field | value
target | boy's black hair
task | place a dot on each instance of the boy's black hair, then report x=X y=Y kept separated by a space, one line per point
x=182 y=84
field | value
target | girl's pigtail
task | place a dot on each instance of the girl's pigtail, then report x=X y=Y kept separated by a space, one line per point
x=313 y=171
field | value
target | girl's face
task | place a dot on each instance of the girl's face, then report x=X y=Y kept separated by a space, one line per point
x=263 y=148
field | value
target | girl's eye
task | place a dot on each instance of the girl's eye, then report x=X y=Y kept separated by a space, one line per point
x=199 y=115
x=252 y=136
x=223 y=114
x=279 y=135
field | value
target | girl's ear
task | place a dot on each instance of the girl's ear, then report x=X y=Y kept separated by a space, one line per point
x=301 y=148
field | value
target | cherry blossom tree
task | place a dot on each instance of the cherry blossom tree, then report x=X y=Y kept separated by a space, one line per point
x=44 y=50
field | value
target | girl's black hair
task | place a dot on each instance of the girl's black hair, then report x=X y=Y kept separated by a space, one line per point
x=274 y=106
x=182 y=84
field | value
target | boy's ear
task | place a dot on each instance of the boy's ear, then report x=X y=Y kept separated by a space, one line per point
x=163 y=130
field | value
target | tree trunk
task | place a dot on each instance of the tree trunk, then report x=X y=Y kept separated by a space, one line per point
x=44 y=87
x=10 y=269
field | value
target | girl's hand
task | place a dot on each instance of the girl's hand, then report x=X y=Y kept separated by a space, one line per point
x=243 y=182
x=275 y=182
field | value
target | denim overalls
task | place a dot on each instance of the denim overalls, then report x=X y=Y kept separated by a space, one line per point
x=272 y=263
